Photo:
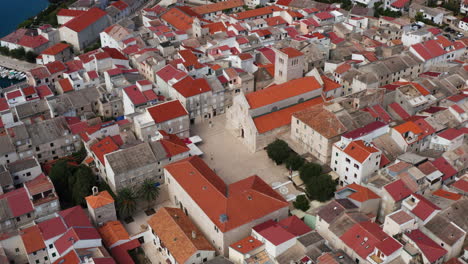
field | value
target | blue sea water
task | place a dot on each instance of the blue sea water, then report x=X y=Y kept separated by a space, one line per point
x=13 y=12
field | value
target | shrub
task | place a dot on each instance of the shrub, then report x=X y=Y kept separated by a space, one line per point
x=301 y=203
x=278 y=151
x=294 y=162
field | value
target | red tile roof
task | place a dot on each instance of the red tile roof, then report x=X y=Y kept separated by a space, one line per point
x=363 y=237
x=75 y=216
x=69 y=258
x=135 y=95
x=359 y=151
x=295 y=226
x=32 y=239
x=121 y=5
x=451 y=133
x=430 y=249
x=291 y=52
x=400 y=3
x=424 y=207
x=173 y=145
x=178 y=19
x=103 y=147
x=447 y=195
x=18 y=202
x=324 y=15
x=176 y=230
x=66 y=85
x=85 y=20
x=99 y=200
x=189 y=87
x=167 y=111
x=246 y=245
x=276 y=93
x=52 y=228
x=256 y=12
x=32 y=41
x=268 y=122
x=120 y=252
x=113 y=232
x=359 y=193
x=169 y=72
x=398 y=190
x=399 y=110
x=343 y=68
x=219 y=6
x=70 y=12
x=227 y=206
x=461 y=184
x=443 y=166
x=74 y=235
x=276 y=235
x=55 y=66
x=55 y=49
x=362 y=131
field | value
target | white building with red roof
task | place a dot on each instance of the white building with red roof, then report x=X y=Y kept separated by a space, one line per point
x=366 y=242
x=355 y=161
x=421 y=209
x=280 y=236
x=258 y=117
x=28 y=39
x=448 y=139
x=83 y=29
x=60 y=51
x=224 y=213
x=138 y=96
x=431 y=252
x=432 y=52
x=169 y=116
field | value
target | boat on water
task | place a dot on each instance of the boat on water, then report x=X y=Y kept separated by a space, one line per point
x=11 y=74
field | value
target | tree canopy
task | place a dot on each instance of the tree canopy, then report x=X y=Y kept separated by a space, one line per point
x=126 y=202
x=148 y=191
x=278 y=151
x=301 y=203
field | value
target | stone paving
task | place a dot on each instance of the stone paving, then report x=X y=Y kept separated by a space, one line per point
x=15 y=64
x=230 y=159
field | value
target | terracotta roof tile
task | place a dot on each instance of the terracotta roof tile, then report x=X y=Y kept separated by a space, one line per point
x=85 y=20
x=268 y=122
x=230 y=206
x=177 y=232
x=99 y=200
x=359 y=151
x=32 y=239
x=322 y=121
x=113 y=232
x=55 y=49
x=283 y=91
x=246 y=245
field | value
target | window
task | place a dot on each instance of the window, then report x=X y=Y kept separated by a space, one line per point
x=198 y=255
x=54 y=254
x=51 y=245
x=51 y=144
x=16 y=249
x=348 y=160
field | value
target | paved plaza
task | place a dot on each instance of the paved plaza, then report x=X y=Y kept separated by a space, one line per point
x=230 y=158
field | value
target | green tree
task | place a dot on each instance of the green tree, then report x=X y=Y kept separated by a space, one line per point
x=4 y=51
x=126 y=202
x=301 y=203
x=294 y=162
x=310 y=171
x=84 y=180
x=278 y=151
x=18 y=53
x=321 y=188
x=80 y=155
x=60 y=174
x=30 y=56
x=419 y=16
x=149 y=191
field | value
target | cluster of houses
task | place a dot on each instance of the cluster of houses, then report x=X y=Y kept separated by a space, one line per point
x=382 y=103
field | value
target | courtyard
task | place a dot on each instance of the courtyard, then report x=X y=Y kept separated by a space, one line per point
x=230 y=159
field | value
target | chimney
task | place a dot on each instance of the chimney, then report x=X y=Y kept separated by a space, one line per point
x=95 y=190
x=194 y=234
